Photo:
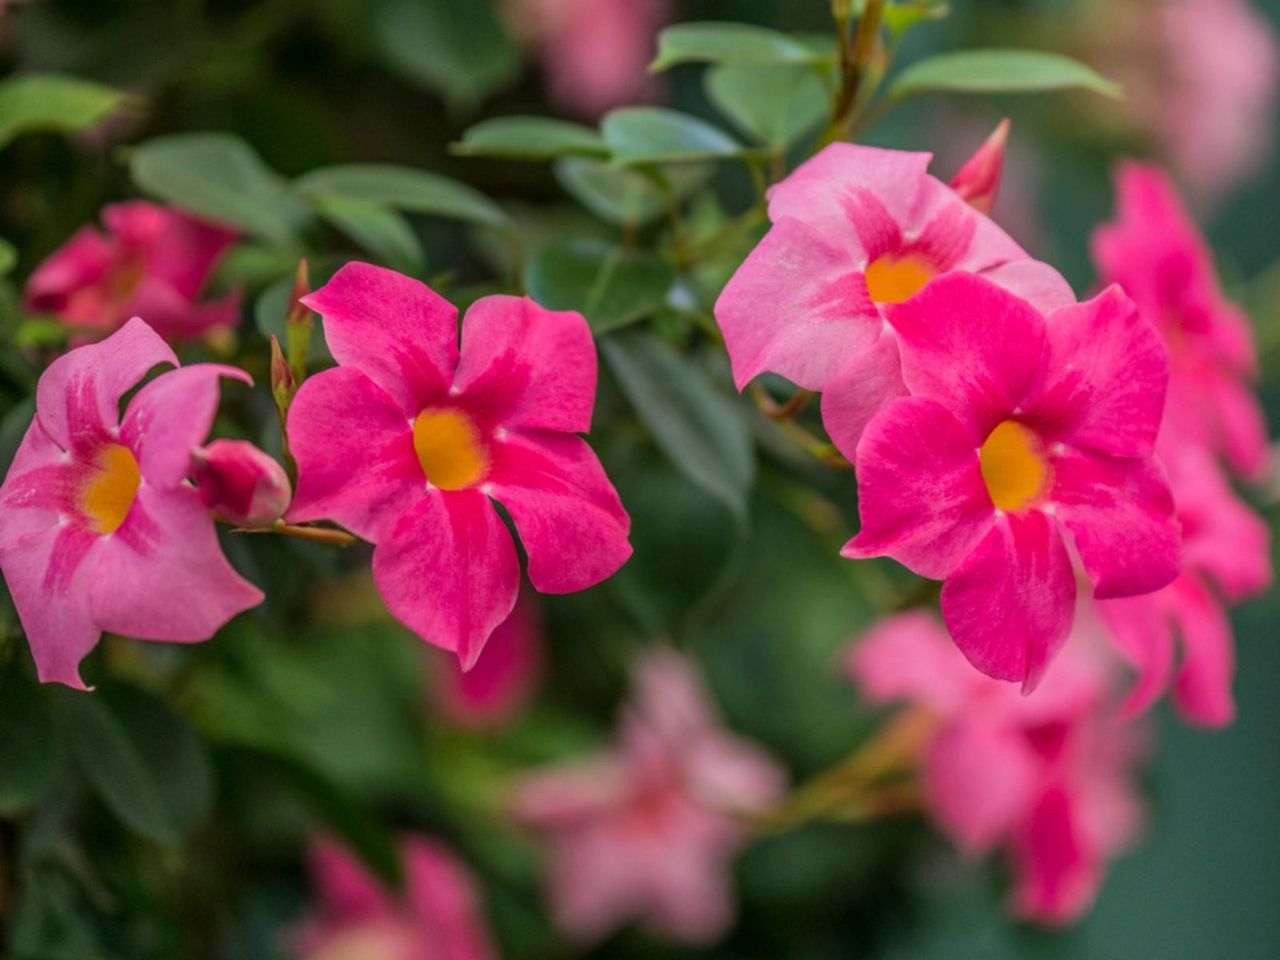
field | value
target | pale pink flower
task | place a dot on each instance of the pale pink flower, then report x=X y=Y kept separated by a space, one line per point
x=1048 y=778
x=406 y=442
x=438 y=916
x=152 y=262
x=1154 y=251
x=240 y=483
x=100 y=530
x=648 y=831
x=855 y=230
x=1019 y=429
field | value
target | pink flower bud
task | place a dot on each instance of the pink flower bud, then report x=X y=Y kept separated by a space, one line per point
x=238 y=481
x=979 y=179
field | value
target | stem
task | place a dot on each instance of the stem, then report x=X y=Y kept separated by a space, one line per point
x=783 y=414
x=339 y=538
x=855 y=64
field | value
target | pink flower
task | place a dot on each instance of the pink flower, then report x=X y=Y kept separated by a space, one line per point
x=99 y=528
x=978 y=181
x=1225 y=557
x=596 y=52
x=494 y=691
x=240 y=483
x=409 y=438
x=1017 y=427
x=1153 y=250
x=648 y=830
x=856 y=229
x=1046 y=777
x=152 y=262
x=437 y=917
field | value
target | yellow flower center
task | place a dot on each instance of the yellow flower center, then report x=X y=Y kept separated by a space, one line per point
x=110 y=492
x=449 y=448
x=1013 y=466
x=893 y=279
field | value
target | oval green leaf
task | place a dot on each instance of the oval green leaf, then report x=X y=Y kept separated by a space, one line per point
x=620 y=196
x=638 y=135
x=39 y=101
x=610 y=286
x=405 y=188
x=777 y=104
x=732 y=43
x=530 y=138
x=998 y=71
x=375 y=227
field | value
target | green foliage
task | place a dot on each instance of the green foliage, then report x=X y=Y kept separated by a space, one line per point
x=35 y=102
x=610 y=286
x=734 y=43
x=646 y=135
x=625 y=197
x=29 y=750
x=530 y=138
x=998 y=71
x=778 y=104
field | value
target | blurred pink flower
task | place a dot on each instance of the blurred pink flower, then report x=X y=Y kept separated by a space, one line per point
x=856 y=230
x=406 y=441
x=100 y=529
x=437 y=917
x=240 y=483
x=648 y=830
x=596 y=52
x=1154 y=251
x=152 y=262
x=1046 y=777
x=1019 y=429
x=494 y=691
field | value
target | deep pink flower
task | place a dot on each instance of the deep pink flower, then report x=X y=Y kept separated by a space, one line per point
x=1047 y=777
x=1154 y=251
x=1226 y=557
x=240 y=483
x=494 y=691
x=99 y=528
x=152 y=262
x=856 y=229
x=406 y=442
x=437 y=917
x=1017 y=427
x=978 y=181
x=648 y=830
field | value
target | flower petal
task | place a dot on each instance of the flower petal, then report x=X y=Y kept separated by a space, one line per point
x=1009 y=606
x=568 y=515
x=448 y=571
x=871 y=380
x=1203 y=687
x=348 y=891
x=181 y=251
x=41 y=488
x=396 y=330
x=79 y=263
x=909 y=657
x=442 y=896
x=1142 y=628
x=1057 y=870
x=1037 y=283
x=355 y=456
x=920 y=490
x=524 y=367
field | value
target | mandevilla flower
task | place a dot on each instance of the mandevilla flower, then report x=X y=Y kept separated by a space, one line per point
x=648 y=831
x=1155 y=253
x=1047 y=777
x=1018 y=426
x=240 y=483
x=856 y=229
x=100 y=529
x=409 y=438
x=978 y=181
x=437 y=917
x=152 y=262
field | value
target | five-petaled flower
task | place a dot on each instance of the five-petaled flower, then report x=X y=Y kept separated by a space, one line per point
x=100 y=529
x=1017 y=426
x=406 y=442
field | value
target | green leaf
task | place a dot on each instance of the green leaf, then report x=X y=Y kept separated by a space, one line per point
x=778 y=104
x=457 y=49
x=29 y=749
x=34 y=101
x=405 y=188
x=702 y=431
x=901 y=17
x=998 y=71
x=732 y=43
x=376 y=227
x=142 y=759
x=530 y=138
x=219 y=177
x=610 y=286
x=8 y=257
x=658 y=135
x=620 y=196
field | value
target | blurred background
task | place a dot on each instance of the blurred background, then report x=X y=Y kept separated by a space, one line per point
x=311 y=710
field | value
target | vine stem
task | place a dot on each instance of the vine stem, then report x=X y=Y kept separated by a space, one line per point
x=855 y=63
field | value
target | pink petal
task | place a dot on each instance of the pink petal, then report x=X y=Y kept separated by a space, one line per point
x=348 y=891
x=691 y=898
x=176 y=317
x=167 y=548
x=527 y=368
x=971 y=346
x=442 y=895
x=240 y=483
x=568 y=515
x=1037 y=283
x=78 y=397
x=1009 y=606
x=500 y=684
x=1241 y=425
x=181 y=251
x=354 y=450
x=80 y=262
x=448 y=571
x=798 y=306
x=40 y=488
x=1203 y=686
x=394 y=329
x=871 y=380
x=978 y=181
x=1104 y=379
x=1142 y=628
x=1221 y=537
x=909 y=657
x=1121 y=515
x=920 y=490
x=172 y=415
x=1058 y=873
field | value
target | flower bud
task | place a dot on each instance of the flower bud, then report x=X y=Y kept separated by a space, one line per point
x=240 y=483
x=979 y=179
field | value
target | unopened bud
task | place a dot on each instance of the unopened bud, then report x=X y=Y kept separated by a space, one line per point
x=282 y=383
x=240 y=483
x=979 y=179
